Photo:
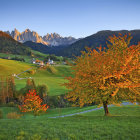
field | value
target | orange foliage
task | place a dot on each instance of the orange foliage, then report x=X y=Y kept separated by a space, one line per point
x=107 y=75
x=32 y=103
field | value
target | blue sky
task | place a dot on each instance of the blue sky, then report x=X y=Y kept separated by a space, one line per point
x=77 y=18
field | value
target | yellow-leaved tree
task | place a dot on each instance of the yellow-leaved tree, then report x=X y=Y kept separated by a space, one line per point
x=106 y=76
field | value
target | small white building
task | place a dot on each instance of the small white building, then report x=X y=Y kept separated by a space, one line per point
x=33 y=61
x=50 y=61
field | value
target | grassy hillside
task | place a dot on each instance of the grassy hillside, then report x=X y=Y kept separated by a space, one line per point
x=125 y=124
x=34 y=54
x=11 y=46
x=27 y=58
x=8 y=67
x=52 y=80
x=42 y=76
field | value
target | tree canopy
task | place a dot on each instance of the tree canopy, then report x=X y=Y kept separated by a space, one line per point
x=33 y=103
x=108 y=75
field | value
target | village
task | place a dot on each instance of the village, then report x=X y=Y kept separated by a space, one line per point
x=48 y=63
x=41 y=63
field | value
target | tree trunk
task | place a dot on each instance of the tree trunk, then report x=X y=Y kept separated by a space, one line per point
x=106 y=108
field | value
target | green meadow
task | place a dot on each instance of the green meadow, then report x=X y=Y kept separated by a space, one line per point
x=27 y=59
x=9 y=67
x=124 y=124
x=53 y=81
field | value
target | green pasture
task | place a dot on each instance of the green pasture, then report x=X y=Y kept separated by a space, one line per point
x=41 y=76
x=123 y=124
x=27 y=59
x=9 y=67
x=54 y=81
x=53 y=84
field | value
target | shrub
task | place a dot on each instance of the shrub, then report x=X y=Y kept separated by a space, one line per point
x=1 y=115
x=32 y=72
x=33 y=103
x=42 y=91
x=58 y=101
x=13 y=115
x=18 y=59
x=11 y=104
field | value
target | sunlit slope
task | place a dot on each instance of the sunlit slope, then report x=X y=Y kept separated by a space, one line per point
x=8 y=67
x=41 y=77
x=45 y=77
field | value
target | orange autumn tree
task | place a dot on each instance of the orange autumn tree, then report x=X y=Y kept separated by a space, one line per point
x=106 y=76
x=32 y=103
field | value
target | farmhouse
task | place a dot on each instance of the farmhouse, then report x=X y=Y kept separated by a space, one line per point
x=38 y=62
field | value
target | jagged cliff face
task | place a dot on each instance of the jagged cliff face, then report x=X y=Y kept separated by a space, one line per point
x=49 y=39
x=16 y=35
x=56 y=40
x=27 y=35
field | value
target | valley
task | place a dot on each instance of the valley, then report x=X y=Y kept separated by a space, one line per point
x=69 y=70
x=64 y=119
x=41 y=76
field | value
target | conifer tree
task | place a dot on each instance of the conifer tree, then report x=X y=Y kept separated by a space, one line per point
x=2 y=91
x=30 y=84
x=11 y=87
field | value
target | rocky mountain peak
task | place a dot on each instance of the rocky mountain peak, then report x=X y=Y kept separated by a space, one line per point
x=52 y=39
x=16 y=31
x=27 y=30
x=16 y=34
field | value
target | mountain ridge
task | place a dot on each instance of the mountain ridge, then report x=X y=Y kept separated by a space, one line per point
x=95 y=40
x=92 y=41
x=52 y=39
x=69 y=50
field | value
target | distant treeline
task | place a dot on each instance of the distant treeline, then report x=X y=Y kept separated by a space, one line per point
x=14 y=58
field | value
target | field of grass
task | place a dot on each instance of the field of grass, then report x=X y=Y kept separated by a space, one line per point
x=53 y=84
x=123 y=125
x=9 y=67
x=27 y=59
x=42 y=76
x=53 y=112
x=35 y=54
x=42 y=55
x=52 y=80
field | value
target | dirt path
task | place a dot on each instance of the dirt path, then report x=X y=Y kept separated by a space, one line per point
x=17 y=75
